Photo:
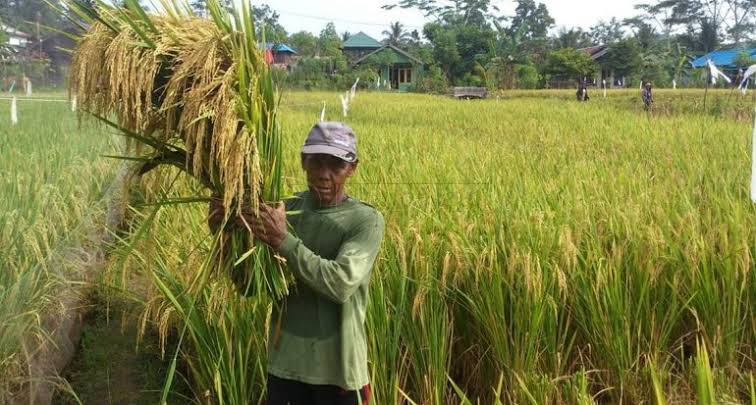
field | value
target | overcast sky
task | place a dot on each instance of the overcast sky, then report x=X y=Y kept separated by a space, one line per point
x=367 y=15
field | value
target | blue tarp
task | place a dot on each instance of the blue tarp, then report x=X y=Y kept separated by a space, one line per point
x=723 y=58
x=279 y=47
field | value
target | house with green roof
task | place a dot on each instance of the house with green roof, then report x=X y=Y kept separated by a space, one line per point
x=396 y=67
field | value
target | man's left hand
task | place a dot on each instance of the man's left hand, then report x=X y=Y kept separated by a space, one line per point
x=270 y=227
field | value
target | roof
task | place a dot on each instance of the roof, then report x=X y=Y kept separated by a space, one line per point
x=279 y=48
x=595 y=51
x=407 y=58
x=723 y=58
x=361 y=40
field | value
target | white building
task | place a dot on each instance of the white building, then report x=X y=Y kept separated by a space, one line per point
x=16 y=38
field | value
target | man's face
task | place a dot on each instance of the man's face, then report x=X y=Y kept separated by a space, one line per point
x=326 y=176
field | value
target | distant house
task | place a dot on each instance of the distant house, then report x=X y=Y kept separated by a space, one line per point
x=403 y=70
x=16 y=38
x=599 y=54
x=17 y=41
x=359 y=45
x=280 y=55
x=724 y=58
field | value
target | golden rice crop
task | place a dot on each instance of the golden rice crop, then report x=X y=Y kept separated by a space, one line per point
x=536 y=251
x=195 y=94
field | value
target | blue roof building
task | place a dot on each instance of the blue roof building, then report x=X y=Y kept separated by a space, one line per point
x=724 y=58
x=281 y=55
x=280 y=48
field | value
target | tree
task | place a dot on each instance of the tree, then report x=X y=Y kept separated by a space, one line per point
x=624 y=57
x=531 y=24
x=329 y=46
x=607 y=32
x=570 y=63
x=304 y=43
x=329 y=42
x=572 y=38
x=708 y=21
x=445 y=51
x=396 y=35
x=453 y=12
x=744 y=59
x=643 y=32
x=267 y=25
x=534 y=18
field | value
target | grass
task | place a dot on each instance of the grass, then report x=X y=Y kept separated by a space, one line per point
x=112 y=366
x=51 y=176
x=536 y=251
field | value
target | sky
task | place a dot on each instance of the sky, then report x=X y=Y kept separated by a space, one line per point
x=367 y=15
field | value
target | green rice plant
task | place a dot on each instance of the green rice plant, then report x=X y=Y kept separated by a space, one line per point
x=389 y=298
x=705 y=391
x=657 y=384
x=52 y=180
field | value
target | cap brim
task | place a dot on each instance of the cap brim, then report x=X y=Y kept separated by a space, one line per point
x=329 y=150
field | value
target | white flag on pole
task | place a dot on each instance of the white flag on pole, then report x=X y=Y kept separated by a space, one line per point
x=753 y=161
x=344 y=104
x=748 y=73
x=322 y=112
x=354 y=88
x=716 y=73
x=14 y=112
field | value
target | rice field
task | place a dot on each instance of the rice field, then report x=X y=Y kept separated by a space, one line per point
x=51 y=177
x=537 y=251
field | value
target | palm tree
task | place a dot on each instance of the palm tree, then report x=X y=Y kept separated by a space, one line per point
x=396 y=35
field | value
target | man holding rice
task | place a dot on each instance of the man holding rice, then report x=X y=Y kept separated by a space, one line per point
x=319 y=356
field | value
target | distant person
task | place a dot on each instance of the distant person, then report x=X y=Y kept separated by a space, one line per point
x=582 y=92
x=647 y=96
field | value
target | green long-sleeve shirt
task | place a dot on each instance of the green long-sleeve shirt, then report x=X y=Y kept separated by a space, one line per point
x=331 y=253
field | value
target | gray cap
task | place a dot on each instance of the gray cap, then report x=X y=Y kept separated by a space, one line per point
x=332 y=138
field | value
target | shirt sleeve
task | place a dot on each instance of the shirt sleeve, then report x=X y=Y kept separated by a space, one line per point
x=336 y=279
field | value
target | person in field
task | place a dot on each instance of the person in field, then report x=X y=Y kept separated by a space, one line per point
x=319 y=356
x=647 y=96
x=582 y=91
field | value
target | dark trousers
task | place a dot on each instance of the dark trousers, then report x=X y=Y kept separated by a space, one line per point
x=288 y=392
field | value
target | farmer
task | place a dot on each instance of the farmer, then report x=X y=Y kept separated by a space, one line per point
x=648 y=98
x=319 y=356
x=582 y=91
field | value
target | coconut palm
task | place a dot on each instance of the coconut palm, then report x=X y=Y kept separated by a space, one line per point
x=396 y=35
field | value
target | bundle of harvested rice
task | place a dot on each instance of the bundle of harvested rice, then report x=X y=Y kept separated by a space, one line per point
x=196 y=94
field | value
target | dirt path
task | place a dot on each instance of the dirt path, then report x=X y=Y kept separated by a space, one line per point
x=109 y=368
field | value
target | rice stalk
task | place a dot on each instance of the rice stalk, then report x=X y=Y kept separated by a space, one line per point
x=195 y=94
